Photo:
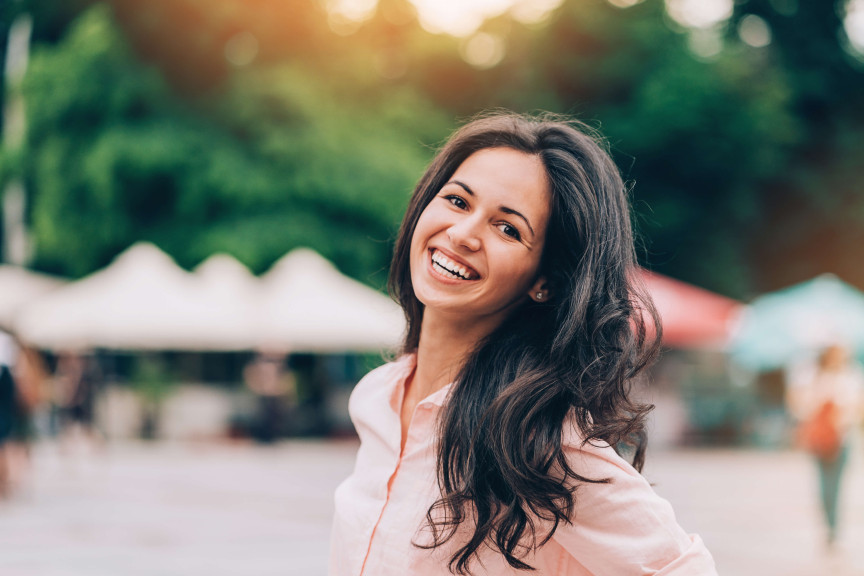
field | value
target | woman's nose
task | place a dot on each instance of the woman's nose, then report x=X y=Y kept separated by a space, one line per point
x=465 y=233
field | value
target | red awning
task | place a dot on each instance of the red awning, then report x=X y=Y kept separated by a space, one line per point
x=692 y=317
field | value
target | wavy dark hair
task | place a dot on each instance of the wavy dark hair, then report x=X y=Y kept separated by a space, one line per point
x=501 y=467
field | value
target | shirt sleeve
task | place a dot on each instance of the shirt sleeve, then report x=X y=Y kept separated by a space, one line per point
x=623 y=527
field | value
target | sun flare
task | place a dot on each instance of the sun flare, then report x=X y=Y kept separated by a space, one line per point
x=456 y=17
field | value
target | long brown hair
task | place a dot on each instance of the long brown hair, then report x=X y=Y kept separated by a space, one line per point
x=501 y=465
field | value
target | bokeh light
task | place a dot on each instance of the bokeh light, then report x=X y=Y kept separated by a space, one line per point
x=624 y=3
x=699 y=13
x=854 y=24
x=705 y=43
x=533 y=11
x=754 y=31
x=483 y=50
x=346 y=16
x=356 y=10
x=458 y=17
x=455 y=17
x=241 y=49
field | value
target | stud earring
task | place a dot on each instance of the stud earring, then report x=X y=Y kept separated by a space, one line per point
x=540 y=296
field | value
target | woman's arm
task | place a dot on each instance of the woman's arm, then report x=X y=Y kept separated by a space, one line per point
x=623 y=527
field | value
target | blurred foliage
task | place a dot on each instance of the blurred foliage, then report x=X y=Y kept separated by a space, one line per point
x=677 y=125
x=743 y=163
x=277 y=161
x=151 y=379
x=813 y=205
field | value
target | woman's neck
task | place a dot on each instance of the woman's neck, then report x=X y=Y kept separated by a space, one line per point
x=443 y=347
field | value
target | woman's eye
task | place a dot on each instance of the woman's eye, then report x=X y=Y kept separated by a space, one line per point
x=510 y=231
x=457 y=201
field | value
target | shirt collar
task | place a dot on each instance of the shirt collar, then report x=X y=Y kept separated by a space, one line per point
x=404 y=367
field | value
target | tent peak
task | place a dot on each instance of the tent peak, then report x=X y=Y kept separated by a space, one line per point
x=300 y=261
x=222 y=264
x=144 y=255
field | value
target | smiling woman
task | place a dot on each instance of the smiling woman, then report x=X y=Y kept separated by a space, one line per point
x=490 y=446
x=475 y=250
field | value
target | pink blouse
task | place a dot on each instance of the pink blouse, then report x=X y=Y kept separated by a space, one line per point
x=621 y=528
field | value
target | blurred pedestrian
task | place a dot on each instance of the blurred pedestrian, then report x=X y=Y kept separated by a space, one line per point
x=20 y=394
x=490 y=445
x=275 y=390
x=8 y=412
x=77 y=382
x=827 y=399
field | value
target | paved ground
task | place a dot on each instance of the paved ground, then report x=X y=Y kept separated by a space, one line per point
x=172 y=510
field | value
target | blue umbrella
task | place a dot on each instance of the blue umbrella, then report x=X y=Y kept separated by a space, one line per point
x=782 y=327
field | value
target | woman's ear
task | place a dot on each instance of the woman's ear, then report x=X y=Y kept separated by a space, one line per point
x=539 y=291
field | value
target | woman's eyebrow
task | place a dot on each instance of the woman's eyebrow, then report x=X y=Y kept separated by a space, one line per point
x=504 y=209
x=507 y=210
x=462 y=185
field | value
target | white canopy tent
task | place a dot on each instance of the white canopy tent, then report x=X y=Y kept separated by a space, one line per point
x=228 y=295
x=309 y=306
x=18 y=287
x=143 y=300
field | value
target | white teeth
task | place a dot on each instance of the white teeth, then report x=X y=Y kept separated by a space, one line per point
x=449 y=268
x=447 y=273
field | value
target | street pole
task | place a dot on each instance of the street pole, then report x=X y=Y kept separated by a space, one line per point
x=16 y=241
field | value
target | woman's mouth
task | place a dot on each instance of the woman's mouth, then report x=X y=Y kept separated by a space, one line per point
x=450 y=269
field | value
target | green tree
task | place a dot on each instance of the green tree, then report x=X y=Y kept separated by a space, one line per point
x=743 y=164
x=813 y=206
x=276 y=159
x=695 y=137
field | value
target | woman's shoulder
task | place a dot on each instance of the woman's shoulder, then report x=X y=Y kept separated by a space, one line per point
x=592 y=458
x=620 y=522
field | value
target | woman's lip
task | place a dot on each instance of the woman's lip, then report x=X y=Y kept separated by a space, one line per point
x=450 y=256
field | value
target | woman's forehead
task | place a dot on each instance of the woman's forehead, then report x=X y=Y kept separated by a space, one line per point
x=506 y=174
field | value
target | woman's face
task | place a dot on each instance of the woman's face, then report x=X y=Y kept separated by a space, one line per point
x=477 y=246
